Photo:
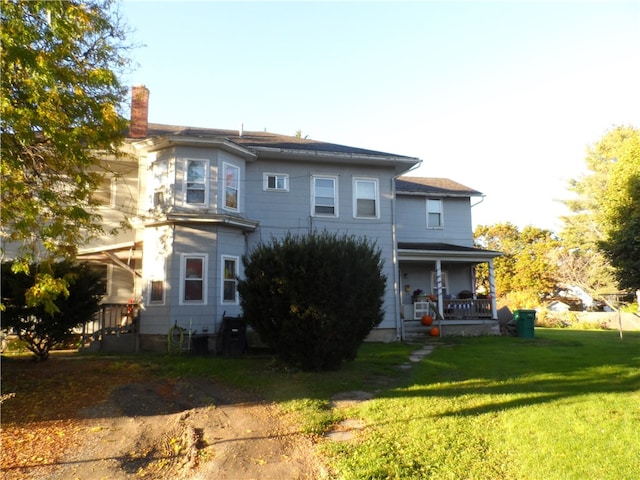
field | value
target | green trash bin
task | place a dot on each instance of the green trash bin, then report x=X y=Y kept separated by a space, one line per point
x=525 y=320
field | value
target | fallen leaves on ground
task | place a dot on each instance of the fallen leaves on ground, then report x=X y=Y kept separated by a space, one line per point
x=40 y=422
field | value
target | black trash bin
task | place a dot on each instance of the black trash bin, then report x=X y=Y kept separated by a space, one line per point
x=233 y=336
x=525 y=322
x=199 y=345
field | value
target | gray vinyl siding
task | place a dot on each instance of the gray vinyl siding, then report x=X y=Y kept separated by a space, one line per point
x=215 y=182
x=412 y=221
x=277 y=213
x=214 y=242
x=290 y=211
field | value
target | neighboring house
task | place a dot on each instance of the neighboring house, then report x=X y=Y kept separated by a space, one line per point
x=558 y=306
x=199 y=199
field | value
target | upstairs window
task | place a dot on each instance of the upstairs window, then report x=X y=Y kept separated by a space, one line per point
x=365 y=198
x=106 y=192
x=434 y=213
x=196 y=182
x=231 y=186
x=230 y=279
x=276 y=181
x=159 y=182
x=193 y=278
x=324 y=196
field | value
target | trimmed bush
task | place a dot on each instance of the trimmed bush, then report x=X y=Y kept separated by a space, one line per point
x=313 y=298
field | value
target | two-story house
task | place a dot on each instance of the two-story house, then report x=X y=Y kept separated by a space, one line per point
x=199 y=199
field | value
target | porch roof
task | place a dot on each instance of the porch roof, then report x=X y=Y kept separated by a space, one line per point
x=120 y=254
x=443 y=251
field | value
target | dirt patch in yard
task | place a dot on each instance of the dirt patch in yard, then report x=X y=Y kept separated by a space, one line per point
x=154 y=428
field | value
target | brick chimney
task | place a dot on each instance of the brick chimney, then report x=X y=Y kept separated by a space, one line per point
x=139 y=112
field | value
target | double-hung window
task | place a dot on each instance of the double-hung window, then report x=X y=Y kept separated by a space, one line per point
x=434 y=213
x=366 y=198
x=106 y=192
x=229 y=279
x=196 y=182
x=159 y=182
x=324 y=196
x=231 y=186
x=194 y=277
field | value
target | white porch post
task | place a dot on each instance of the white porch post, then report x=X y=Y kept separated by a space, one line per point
x=473 y=282
x=439 y=287
x=492 y=290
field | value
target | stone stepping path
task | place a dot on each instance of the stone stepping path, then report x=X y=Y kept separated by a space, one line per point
x=346 y=429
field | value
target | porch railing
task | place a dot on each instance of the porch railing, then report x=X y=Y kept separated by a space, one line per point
x=467 y=308
x=456 y=309
x=113 y=319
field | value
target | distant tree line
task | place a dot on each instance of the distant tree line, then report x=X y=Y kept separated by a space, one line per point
x=598 y=249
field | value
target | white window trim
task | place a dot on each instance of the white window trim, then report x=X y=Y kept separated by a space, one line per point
x=113 y=192
x=185 y=181
x=183 y=262
x=110 y=191
x=441 y=212
x=265 y=182
x=164 y=292
x=335 y=213
x=158 y=187
x=375 y=182
x=224 y=187
x=236 y=259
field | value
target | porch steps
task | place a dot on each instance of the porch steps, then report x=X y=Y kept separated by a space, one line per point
x=415 y=332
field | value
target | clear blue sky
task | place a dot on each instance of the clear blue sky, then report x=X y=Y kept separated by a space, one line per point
x=503 y=97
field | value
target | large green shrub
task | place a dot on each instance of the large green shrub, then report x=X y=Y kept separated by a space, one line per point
x=313 y=298
x=40 y=328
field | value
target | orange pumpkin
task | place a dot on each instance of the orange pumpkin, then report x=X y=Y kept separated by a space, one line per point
x=427 y=320
x=435 y=332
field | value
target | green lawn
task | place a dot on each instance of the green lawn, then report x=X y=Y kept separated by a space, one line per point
x=564 y=405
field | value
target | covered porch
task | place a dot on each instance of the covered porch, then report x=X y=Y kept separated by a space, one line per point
x=440 y=280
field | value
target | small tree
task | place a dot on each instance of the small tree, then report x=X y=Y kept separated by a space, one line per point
x=39 y=328
x=314 y=298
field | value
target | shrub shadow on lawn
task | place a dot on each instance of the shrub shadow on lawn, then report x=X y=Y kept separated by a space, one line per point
x=513 y=373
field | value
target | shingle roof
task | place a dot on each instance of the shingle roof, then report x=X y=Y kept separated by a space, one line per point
x=434 y=186
x=262 y=139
